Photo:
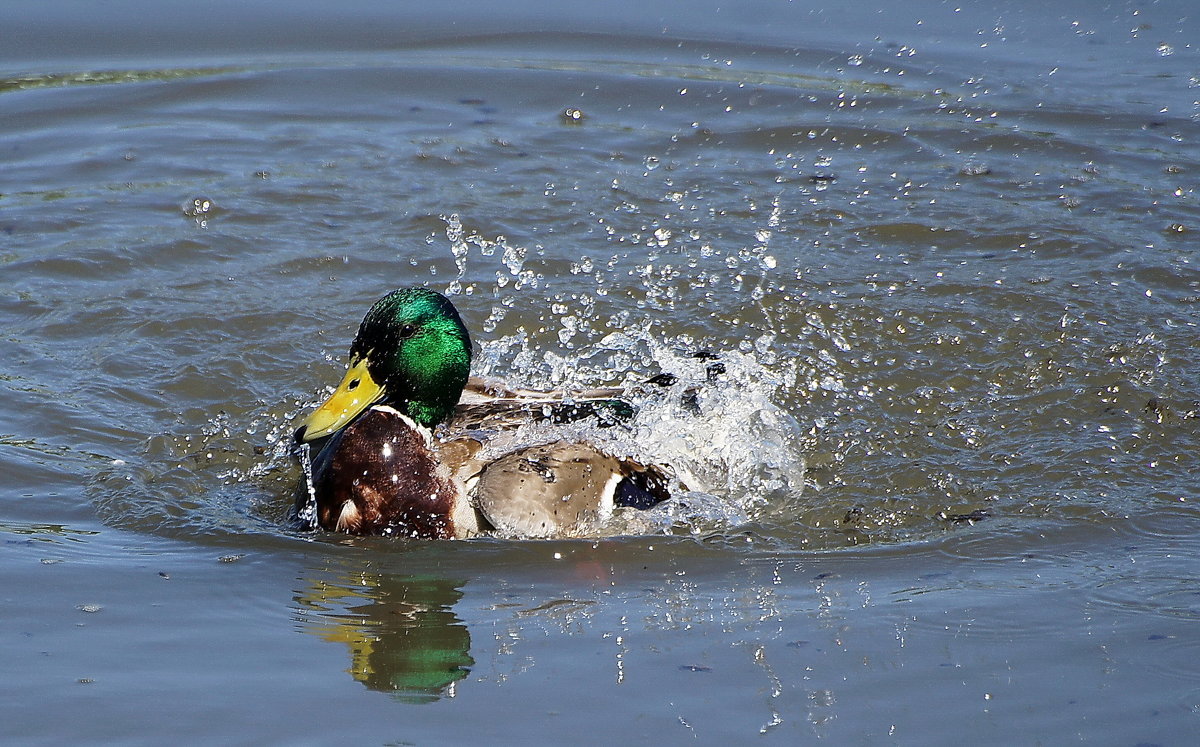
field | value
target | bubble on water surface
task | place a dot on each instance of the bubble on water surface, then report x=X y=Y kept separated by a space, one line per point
x=200 y=209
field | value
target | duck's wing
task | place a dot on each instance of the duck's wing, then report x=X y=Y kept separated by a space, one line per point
x=489 y=406
x=562 y=489
x=479 y=388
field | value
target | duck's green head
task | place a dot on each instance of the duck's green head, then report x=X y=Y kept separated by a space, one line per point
x=411 y=352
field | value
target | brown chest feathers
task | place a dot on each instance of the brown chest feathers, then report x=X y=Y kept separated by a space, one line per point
x=381 y=474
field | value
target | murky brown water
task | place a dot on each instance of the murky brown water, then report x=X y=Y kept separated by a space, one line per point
x=946 y=253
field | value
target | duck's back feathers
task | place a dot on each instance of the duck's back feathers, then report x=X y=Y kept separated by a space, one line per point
x=489 y=406
x=561 y=489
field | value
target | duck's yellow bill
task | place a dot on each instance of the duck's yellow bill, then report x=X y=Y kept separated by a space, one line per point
x=357 y=392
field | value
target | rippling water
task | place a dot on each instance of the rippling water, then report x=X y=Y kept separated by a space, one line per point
x=946 y=255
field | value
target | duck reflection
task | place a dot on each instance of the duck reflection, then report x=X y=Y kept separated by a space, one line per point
x=403 y=635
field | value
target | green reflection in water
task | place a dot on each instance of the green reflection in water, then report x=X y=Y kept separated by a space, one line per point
x=105 y=77
x=402 y=633
x=46 y=532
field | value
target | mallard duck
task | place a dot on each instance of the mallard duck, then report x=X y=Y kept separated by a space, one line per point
x=407 y=443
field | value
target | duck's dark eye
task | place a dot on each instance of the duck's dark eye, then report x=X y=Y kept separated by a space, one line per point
x=407 y=330
x=352 y=385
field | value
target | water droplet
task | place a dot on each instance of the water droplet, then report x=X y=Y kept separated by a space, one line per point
x=201 y=209
x=514 y=258
x=198 y=206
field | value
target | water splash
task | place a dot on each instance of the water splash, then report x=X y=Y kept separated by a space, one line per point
x=712 y=419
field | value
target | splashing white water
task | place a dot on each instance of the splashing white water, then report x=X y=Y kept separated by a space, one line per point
x=734 y=453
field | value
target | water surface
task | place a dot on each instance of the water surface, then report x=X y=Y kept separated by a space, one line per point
x=946 y=254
